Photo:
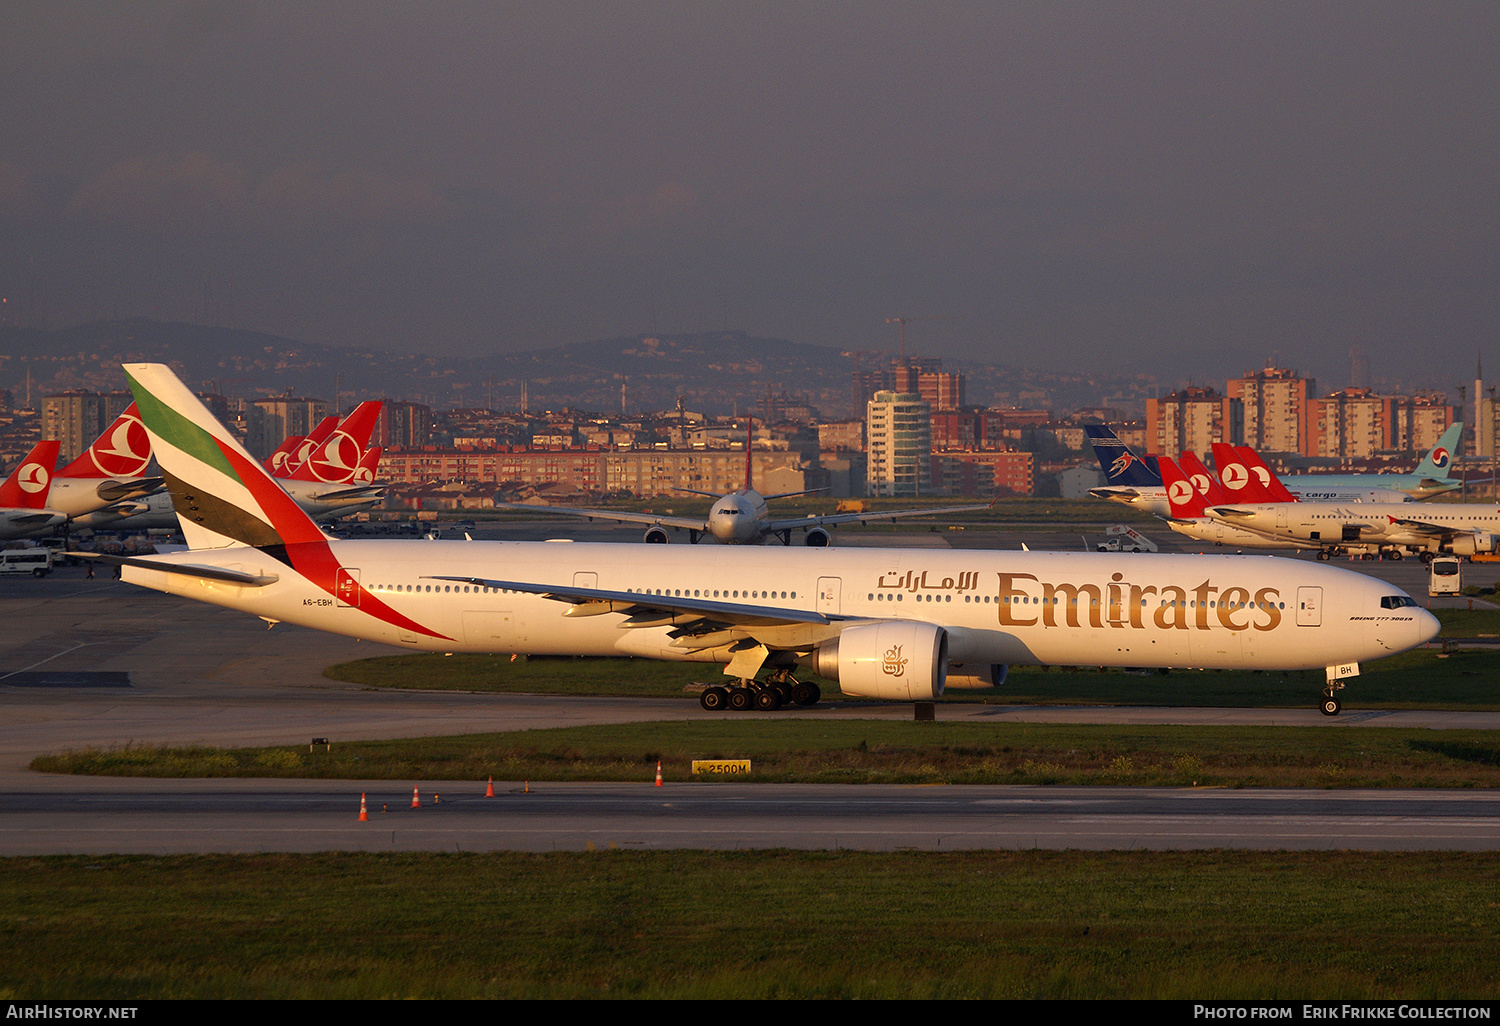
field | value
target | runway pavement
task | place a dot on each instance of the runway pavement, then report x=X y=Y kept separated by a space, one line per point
x=202 y=675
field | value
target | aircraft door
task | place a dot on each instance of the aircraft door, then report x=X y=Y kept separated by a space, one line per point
x=829 y=590
x=1309 y=607
x=346 y=587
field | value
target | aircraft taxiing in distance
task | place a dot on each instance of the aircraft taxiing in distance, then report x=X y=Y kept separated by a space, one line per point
x=24 y=509
x=885 y=623
x=741 y=517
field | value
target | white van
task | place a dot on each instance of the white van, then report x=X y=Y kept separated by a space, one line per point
x=36 y=562
x=1444 y=576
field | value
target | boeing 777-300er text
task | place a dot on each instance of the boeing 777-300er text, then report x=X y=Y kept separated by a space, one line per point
x=884 y=623
x=741 y=517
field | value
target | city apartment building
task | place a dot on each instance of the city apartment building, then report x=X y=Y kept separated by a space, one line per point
x=898 y=429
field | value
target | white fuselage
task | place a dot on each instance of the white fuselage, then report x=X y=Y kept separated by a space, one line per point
x=996 y=607
x=1405 y=525
x=738 y=518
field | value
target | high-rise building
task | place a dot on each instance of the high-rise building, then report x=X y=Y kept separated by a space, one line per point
x=77 y=417
x=1191 y=420
x=898 y=432
x=1277 y=409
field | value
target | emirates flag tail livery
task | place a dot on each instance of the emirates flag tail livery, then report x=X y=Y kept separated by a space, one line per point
x=24 y=512
x=894 y=624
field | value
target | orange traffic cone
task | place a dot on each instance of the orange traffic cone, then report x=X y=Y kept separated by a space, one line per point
x=658 y=773
x=364 y=817
x=489 y=791
x=416 y=802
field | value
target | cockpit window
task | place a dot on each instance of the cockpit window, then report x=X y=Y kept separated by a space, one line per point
x=1397 y=601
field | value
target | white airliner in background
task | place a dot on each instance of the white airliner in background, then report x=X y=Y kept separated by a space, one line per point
x=885 y=623
x=741 y=517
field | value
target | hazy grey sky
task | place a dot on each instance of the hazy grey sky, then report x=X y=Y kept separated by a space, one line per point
x=1184 y=188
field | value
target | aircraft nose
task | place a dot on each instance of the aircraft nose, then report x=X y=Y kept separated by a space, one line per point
x=1427 y=627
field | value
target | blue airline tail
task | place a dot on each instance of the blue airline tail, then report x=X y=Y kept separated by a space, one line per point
x=1122 y=467
x=1439 y=462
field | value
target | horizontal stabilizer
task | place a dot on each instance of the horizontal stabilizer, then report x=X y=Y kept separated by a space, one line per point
x=210 y=573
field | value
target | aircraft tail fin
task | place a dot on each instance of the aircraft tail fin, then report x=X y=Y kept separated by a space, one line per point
x=1121 y=465
x=336 y=459
x=277 y=461
x=1240 y=482
x=1207 y=485
x=1439 y=462
x=308 y=446
x=1267 y=477
x=369 y=466
x=28 y=485
x=223 y=496
x=122 y=451
x=1185 y=500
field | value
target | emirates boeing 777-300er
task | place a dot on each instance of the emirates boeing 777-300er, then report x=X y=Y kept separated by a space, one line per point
x=894 y=623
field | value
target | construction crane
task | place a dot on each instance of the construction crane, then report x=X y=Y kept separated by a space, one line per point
x=903 y=321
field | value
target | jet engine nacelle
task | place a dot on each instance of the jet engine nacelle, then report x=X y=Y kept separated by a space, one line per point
x=657 y=536
x=1471 y=544
x=897 y=661
x=977 y=675
x=818 y=538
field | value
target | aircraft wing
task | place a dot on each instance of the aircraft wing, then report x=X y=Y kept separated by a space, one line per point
x=687 y=523
x=1103 y=492
x=210 y=573
x=594 y=601
x=1432 y=530
x=30 y=517
x=862 y=518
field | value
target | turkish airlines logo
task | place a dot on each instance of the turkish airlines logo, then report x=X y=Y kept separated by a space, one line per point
x=363 y=475
x=336 y=459
x=893 y=665
x=1440 y=457
x=1180 y=492
x=278 y=461
x=1234 y=476
x=1201 y=482
x=33 y=478
x=1264 y=475
x=125 y=451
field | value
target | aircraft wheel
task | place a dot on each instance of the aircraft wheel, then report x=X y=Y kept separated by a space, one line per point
x=739 y=699
x=714 y=699
x=1426 y=557
x=805 y=693
x=1323 y=556
x=767 y=700
x=1331 y=707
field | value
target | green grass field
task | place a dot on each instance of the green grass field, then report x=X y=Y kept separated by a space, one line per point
x=615 y=924
x=1422 y=679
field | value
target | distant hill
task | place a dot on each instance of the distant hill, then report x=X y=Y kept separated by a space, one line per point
x=713 y=372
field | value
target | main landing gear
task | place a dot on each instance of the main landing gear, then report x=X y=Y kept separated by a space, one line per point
x=768 y=695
